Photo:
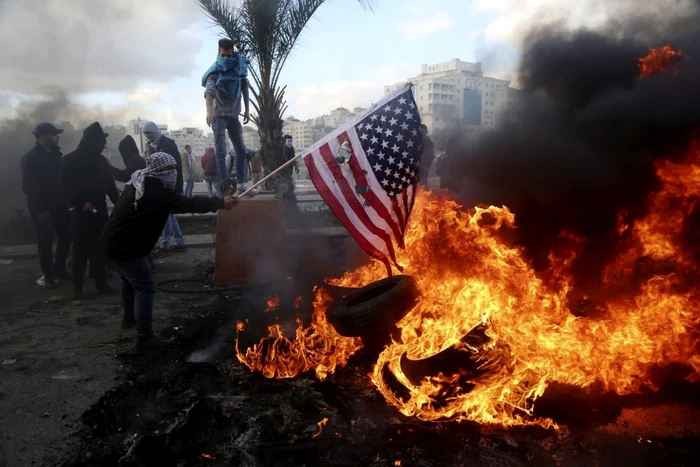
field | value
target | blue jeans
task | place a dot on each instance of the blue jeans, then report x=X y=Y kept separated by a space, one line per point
x=213 y=181
x=172 y=227
x=138 y=290
x=235 y=131
x=189 y=186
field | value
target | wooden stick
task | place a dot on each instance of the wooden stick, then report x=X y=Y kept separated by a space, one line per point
x=274 y=172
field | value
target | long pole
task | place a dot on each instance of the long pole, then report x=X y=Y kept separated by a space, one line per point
x=266 y=177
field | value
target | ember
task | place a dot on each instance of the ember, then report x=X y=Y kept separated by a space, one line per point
x=272 y=304
x=320 y=424
x=660 y=60
x=207 y=456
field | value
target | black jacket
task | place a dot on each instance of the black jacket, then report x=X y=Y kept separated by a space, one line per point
x=289 y=154
x=132 y=160
x=40 y=175
x=168 y=146
x=132 y=233
x=86 y=176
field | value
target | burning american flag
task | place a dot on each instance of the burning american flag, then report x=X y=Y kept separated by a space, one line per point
x=367 y=172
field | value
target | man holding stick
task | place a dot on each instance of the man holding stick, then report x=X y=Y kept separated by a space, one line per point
x=133 y=230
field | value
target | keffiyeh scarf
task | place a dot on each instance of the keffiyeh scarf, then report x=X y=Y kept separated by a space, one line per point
x=159 y=165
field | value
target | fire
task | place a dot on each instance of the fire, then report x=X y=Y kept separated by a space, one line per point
x=272 y=304
x=660 y=60
x=468 y=276
x=471 y=277
x=318 y=347
x=207 y=456
x=320 y=424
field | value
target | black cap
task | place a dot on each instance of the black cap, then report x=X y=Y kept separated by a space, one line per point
x=46 y=128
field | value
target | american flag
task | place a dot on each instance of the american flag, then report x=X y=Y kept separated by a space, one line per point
x=367 y=172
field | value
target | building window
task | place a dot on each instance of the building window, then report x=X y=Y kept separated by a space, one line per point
x=421 y=97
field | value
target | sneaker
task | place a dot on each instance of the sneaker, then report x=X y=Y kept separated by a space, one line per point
x=50 y=283
x=178 y=248
x=128 y=324
x=151 y=343
x=104 y=289
x=77 y=294
x=243 y=188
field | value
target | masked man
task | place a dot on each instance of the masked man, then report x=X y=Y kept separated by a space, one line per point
x=133 y=230
x=289 y=152
x=132 y=160
x=159 y=143
x=85 y=180
x=225 y=82
x=40 y=182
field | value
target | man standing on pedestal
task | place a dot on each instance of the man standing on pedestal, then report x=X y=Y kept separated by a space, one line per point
x=225 y=82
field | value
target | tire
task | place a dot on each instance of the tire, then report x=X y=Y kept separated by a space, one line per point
x=375 y=307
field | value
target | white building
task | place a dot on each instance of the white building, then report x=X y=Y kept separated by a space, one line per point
x=196 y=138
x=455 y=94
x=251 y=138
x=302 y=132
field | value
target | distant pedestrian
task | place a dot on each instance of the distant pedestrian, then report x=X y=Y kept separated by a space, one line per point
x=47 y=208
x=85 y=181
x=211 y=176
x=133 y=230
x=132 y=160
x=225 y=82
x=159 y=143
x=256 y=167
x=188 y=170
x=289 y=153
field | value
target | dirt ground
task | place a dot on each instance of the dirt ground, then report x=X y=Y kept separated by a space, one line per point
x=65 y=356
x=73 y=393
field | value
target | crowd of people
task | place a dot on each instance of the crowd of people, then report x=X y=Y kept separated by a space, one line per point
x=67 y=194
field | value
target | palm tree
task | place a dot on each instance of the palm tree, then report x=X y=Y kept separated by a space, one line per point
x=266 y=31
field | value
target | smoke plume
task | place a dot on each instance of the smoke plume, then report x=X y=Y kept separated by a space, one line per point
x=578 y=144
x=16 y=139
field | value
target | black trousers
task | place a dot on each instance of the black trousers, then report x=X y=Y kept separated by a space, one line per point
x=87 y=230
x=58 y=222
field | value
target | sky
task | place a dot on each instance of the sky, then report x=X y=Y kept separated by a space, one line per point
x=131 y=59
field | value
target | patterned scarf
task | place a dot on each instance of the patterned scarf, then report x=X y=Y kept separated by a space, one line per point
x=157 y=167
x=152 y=128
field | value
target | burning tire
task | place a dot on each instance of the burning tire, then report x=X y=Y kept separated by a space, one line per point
x=375 y=307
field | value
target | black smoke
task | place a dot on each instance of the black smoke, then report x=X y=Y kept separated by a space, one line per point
x=577 y=144
x=16 y=139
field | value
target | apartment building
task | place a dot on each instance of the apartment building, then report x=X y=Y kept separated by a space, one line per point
x=455 y=94
x=302 y=132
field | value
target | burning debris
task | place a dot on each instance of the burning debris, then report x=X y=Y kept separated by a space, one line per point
x=471 y=273
x=317 y=347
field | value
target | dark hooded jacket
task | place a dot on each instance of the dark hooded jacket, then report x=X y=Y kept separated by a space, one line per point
x=169 y=146
x=40 y=180
x=132 y=160
x=85 y=175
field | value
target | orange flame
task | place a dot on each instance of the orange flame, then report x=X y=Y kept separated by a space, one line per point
x=535 y=339
x=272 y=304
x=320 y=424
x=660 y=60
x=318 y=347
x=207 y=456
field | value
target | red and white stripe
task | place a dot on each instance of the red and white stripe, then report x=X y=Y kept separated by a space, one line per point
x=374 y=219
